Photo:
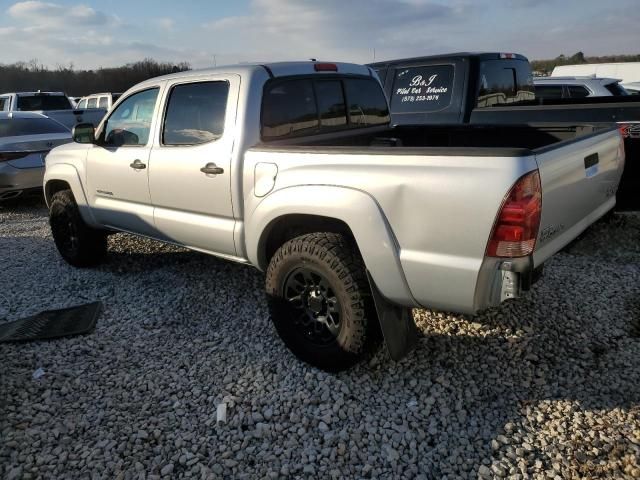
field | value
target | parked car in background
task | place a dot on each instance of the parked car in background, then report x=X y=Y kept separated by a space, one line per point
x=498 y=89
x=55 y=105
x=293 y=168
x=99 y=100
x=577 y=87
x=25 y=140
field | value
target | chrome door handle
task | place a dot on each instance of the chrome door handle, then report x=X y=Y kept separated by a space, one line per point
x=137 y=165
x=212 y=169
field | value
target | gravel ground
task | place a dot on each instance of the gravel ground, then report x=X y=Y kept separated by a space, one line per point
x=544 y=387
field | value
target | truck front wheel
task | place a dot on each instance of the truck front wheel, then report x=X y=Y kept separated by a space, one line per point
x=79 y=244
x=320 y=301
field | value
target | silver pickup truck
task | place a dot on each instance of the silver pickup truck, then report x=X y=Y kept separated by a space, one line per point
x=293 y=168
x=55 y=105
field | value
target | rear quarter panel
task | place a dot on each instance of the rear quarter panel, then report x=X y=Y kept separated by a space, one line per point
x=439 y=208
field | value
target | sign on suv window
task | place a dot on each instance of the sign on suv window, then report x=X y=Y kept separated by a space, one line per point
x=422 y=89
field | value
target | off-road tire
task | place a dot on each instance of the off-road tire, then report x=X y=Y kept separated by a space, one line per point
x=79 y=244
x=337 y=259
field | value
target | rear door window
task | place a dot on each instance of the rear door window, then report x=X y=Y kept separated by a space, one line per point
x=576 y=91
x=195 y=113
x=549 y=92
x=422 y=89
x=505 y=82
x=92 y=103
x=103 y=102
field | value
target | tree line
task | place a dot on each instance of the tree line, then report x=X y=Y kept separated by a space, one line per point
x=31 y=76
x=547 y=66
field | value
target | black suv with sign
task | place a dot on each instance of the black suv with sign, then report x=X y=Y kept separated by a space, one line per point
x=495 y=89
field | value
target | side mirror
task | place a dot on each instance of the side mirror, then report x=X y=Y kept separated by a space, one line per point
x=84 y=133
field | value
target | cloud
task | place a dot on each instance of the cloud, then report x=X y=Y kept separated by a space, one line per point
x=293 y=29
x=165 y=23
x=44 y=14
x=340 y=30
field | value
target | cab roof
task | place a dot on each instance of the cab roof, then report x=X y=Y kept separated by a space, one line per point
x=276 y=69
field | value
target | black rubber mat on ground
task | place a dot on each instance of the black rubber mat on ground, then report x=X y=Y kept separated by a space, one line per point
x=52 y=324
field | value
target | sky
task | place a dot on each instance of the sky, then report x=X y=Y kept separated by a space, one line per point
x=115 y=32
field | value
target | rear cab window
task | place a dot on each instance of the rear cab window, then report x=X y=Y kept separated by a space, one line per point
x=422 y=89
x=310 y=105
x=503 y=82
x=549 y=92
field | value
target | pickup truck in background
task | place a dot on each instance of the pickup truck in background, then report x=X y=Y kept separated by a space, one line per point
x=497 y=88
x=293 y=168
x=99 y=100
x=54 y=105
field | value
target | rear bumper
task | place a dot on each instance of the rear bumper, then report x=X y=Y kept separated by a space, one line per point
x=14 y=181
x=502 y=279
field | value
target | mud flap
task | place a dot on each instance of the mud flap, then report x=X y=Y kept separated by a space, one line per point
x=397 y=325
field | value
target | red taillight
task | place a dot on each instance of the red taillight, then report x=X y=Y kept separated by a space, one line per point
x=623 y=129
x=7 y=156
x=516 y=228
x=325 y=67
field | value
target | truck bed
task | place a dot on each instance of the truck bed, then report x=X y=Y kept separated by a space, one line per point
x=472 y=140
x=424 y=178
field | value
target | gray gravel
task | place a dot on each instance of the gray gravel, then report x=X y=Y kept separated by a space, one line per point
x=545 y=387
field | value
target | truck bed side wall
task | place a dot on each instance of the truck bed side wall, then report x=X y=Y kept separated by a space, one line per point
x=440 y=209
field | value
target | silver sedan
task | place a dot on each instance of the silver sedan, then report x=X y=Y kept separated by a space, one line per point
x=25 y=140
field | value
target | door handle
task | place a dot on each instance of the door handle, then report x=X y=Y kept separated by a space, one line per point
x=212 y=169
x=137 y=165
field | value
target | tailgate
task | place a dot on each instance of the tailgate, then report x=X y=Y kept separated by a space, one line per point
x=579 y=180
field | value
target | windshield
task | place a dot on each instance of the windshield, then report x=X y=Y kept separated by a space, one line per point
x=43 y=102
x=15 y=127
